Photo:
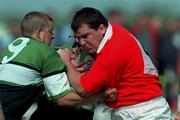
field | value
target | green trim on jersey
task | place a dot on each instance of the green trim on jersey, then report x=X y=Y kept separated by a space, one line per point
x=54 y=98
x=25 y=65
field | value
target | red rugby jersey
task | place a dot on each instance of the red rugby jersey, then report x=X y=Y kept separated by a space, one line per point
x=123 y=64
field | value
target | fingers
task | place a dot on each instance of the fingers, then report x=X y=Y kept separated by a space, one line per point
x=62 y=50
x=79 y=66
x=111 y=91
x=74 y=53
x=67 y=50
x=59 y=51
x=75 y=50
x=110 y=94
x=81 y=69
x=74 y=63
x=64 y=55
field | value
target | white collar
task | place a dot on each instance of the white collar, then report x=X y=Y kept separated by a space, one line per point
x=105 y=38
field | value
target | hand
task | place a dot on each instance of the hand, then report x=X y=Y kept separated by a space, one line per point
x=75 y=61
x=74 y=53
x=110 y=94
x=65 y=55
x=79 y=66
x=177 y=116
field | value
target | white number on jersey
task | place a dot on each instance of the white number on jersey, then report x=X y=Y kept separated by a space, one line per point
x=15 y=49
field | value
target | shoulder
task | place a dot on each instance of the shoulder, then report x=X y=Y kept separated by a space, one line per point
x=41 y=47
x=119 y=28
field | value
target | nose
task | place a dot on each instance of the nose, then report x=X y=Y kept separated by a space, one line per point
x=82 y=42
x=52 y=34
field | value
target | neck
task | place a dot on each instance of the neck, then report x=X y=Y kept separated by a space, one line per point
x=34 y=36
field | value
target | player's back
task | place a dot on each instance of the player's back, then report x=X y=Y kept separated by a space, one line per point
x=22 y=61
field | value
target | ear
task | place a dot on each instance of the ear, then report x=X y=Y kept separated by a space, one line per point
x=37 y=34
x=102 y=29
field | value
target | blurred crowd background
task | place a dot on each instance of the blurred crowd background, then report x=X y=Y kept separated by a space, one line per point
x=155 y=23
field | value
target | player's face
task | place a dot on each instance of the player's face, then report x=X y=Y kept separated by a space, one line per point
x=47 y=34
x=90 y=38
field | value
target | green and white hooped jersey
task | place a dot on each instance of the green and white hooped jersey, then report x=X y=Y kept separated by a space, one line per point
x=31 y=62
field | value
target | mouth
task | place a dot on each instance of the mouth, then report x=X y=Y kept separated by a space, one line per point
x=89 y=50
x=52 y=38
x=86 y=48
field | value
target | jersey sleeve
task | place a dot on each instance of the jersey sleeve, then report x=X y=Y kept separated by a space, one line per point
x=57 y=86
x=95 y=79
x=54 y=77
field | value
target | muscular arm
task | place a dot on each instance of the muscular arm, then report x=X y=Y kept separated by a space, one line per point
x=73 y=99
x=74 y=78
x=72 y=73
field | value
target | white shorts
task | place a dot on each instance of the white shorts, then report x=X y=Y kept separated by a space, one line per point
x=156 y=109
x=102 y=111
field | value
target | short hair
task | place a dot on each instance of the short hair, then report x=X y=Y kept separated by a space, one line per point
x=90 y=16
x=32 y=21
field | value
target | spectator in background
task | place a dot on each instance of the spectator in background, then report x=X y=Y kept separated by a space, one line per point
x=155 y=32
x=117 y=16
x=148 y=31
x=5 y=37
x=168 y=63
x=178 y=66
x=176 y=43
x=15 y=30
x=167 y=59
x=62 y=30
x=140 y=30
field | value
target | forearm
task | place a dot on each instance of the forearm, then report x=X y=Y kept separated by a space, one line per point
x=72 y=73
x=73 y=99
x=74 y=78
x=70 y=99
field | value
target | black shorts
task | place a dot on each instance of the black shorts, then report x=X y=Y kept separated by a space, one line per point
x=16 y=100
